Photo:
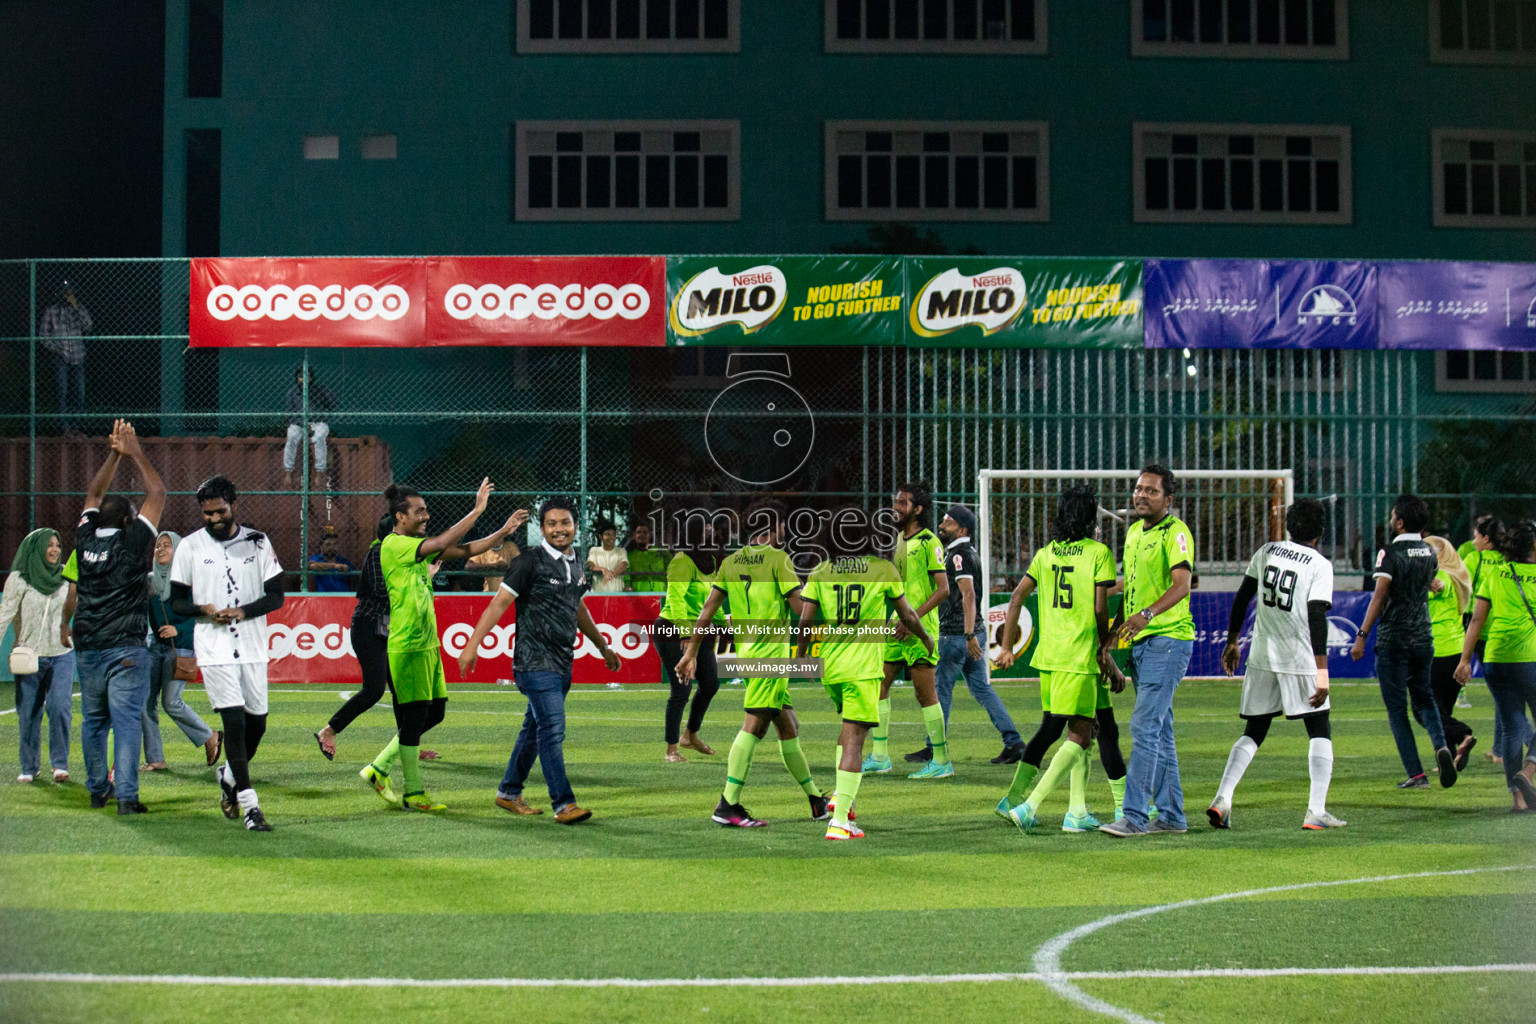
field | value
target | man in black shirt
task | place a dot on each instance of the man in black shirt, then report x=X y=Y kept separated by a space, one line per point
x=1405 y=646
x=111 y=619
x=963 y=636
x=547 y=583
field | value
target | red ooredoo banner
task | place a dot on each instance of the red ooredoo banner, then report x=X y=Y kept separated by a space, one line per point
x=473 y=300
x=310 y=640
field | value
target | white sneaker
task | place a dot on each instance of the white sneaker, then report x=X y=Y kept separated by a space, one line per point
x=60 y=775
x=1318 y=822
x=23 y=777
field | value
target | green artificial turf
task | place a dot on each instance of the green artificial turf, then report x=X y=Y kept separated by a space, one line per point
x=650 y=889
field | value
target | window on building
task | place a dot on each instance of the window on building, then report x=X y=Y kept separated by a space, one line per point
x=937 y=170
x=1482 y=31
x=1485 y=179
x=1269 y=29
x=1481 y=370
x=380 y=147
x=1256 y=174
x=935 y=26
x=628 y=26
x=627 y=170
x=322 y=147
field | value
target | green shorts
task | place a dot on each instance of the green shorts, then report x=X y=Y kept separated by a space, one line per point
x=1073 y=693
x=909 y=652
x=856 y=700
x=766 y=693
x=417 y=675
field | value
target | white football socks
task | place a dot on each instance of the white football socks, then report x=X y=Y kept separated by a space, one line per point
x=1237 y=763
x=1320 y=767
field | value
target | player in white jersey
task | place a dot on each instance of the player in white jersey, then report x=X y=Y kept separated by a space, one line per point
x=1287 y=657
x=228 y=578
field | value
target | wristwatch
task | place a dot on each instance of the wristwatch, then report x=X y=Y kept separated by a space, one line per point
x=1361 y=635
x=1149 y=613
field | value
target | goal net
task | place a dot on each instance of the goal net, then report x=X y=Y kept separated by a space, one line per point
x=1230 y=513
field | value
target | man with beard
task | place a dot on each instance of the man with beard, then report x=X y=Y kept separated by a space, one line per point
x=228 y=578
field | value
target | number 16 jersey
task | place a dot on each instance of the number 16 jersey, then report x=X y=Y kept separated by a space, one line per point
x=1289 y=575
x=1067 y=575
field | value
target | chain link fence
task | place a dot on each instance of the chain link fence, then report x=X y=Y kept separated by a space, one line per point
x=312 y=436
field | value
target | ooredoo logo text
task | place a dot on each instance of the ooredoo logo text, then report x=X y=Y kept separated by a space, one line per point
x=546 y=301
x=333 y=641
x=308 y=302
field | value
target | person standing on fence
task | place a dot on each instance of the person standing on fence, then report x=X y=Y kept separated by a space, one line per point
x=1506 y=610
x=321 y=401
x=1159 y=567
x=172 y=664
x=414 y=647
x=1405 y=643
x=963 y=637
x=113 y=544
x=62 y=330
x=227 y=576
x=547 y=584
x=34 y=599
x=690 y=576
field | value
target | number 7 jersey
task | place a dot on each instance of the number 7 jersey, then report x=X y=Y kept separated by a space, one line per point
x=1067 y=575
x=1289 y=575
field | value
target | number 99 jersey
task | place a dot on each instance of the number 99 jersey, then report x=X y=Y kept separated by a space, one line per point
x=1289 y=575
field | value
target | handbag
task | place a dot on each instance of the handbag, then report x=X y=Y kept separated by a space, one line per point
x=185 y=668
x=23 y=661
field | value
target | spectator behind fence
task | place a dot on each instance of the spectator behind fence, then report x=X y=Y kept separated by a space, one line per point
x=607 y=562
x=647 y=565
x=42 y=660
x=61 y=331
x=321 y=400
x=332 y=570
x=493 y=564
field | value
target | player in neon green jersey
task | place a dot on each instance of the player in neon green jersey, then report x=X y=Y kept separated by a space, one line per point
x=919 y=560
x=850 y=594
x=1072 y=576
x=764 y=591
x=415 y=660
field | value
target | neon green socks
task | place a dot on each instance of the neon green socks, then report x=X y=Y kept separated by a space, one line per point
x=882 y=732
x=410 y=767
x=1077 y=781
x=738 y=764
x=389 y=753
x=799 y=768
x=842 y=797
x=1066 y=757
x=933 y=721
x=1023 y=775
x=1117 y=790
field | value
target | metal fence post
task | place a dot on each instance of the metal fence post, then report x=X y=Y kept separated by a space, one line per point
x=32 y=408
x=582 y=477
x=304 y=484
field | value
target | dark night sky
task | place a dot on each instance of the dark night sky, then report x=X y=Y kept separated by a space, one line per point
x=81 y=86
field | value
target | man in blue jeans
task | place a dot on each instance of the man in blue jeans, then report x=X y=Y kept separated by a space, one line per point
x=111 y=619
x=546 y=583
x=1159 y=564
x=1405 y=644
x=963 y=636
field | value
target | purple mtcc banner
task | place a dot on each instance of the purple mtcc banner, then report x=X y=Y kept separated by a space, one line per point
x=1457 y=305
x=1260 y=304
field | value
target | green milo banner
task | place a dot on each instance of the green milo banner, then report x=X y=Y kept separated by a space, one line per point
x=1003 y=302
x=785 y=300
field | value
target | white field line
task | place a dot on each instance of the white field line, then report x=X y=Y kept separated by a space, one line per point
x=1047 y=960
x=807 y=982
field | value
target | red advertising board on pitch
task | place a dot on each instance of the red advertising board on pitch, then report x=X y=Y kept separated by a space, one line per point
x=309 y=640
x=307 y=302
x=547 y=300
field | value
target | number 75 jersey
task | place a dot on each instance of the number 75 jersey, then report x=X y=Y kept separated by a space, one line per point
x=1067 y=575
x=1289 y=575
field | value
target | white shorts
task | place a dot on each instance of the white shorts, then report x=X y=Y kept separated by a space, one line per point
x=1266 y=693
x=234 y=686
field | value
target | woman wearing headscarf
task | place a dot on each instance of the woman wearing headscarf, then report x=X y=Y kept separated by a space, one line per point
x=170 y=638
x=34 y=598
x=1450 y=596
